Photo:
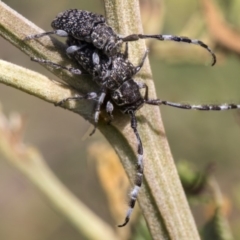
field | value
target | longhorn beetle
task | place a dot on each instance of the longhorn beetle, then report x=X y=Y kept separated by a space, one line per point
x=114 y=75
x=91 y=27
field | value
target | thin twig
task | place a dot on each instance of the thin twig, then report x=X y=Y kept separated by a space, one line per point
x=221 y=31
x=29 y=162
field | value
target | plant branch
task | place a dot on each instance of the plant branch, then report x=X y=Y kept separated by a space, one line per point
x=221 y=31
x=162 y=198
x=29 y=162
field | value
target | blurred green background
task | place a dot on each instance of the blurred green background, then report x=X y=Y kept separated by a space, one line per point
x=196 y=136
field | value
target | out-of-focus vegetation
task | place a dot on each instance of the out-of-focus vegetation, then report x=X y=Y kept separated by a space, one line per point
x=181 y=73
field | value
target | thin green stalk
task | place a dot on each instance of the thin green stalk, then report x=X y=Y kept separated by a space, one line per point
x=162 y=199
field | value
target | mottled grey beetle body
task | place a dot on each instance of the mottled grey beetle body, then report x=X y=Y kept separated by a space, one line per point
x=89 y=27
x=111 y=73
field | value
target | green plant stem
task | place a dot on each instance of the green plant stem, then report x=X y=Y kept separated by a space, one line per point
x=162 y=199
